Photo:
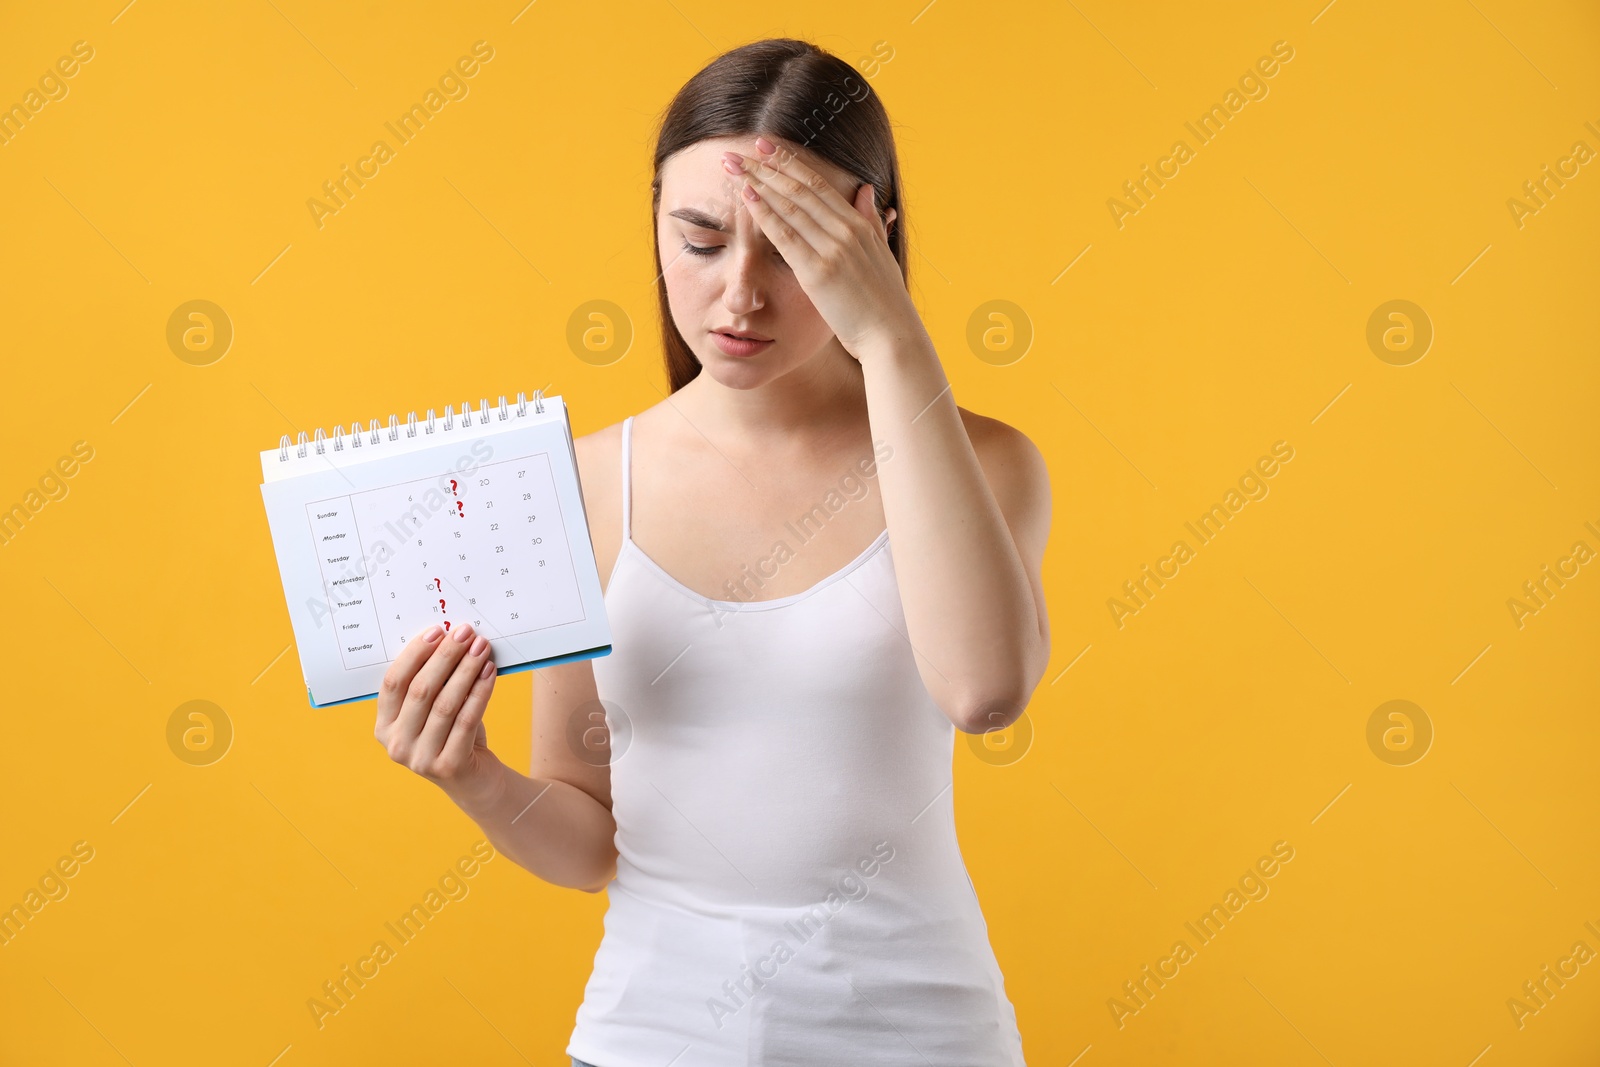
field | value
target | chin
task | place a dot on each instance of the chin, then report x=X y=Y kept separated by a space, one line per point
x=742 y=372
x=736 y=373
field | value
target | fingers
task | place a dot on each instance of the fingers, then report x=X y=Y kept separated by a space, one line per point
x=790 y=200
x=452 y=696
x=803 y=184
x=468 y=731
x=789 y=228
x=396 y=680
x=796 y=247
x=429 y=682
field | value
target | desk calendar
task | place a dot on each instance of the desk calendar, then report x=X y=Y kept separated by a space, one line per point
x=477 y=518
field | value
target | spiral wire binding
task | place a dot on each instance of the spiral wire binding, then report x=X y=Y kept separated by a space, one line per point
x=320 y=442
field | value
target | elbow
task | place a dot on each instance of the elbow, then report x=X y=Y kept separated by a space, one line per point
x=994 y=711
x=1002 y=700
x=997 y=701
x=606 y=878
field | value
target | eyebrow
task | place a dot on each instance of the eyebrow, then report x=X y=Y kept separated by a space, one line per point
x=699 y=218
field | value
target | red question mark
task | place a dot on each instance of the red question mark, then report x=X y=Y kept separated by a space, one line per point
x=441 y=603
x=437 y=586
x=452 y=487
x=461 y=510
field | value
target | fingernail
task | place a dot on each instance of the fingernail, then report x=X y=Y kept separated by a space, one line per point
x=765 y=146
x=488 y=669
x=433 y=633
x=463 y=632
x=478 y=646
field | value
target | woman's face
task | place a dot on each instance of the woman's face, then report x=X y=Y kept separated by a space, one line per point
x=723 y=274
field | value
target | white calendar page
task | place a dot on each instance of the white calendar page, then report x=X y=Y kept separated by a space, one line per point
x=485 y=527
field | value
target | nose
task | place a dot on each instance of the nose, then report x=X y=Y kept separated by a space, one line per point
x=744 y=288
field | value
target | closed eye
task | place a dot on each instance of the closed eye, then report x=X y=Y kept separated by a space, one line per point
x=706 y=250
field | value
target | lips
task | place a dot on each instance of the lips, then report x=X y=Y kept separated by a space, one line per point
x=748 y=335
x=742 y=343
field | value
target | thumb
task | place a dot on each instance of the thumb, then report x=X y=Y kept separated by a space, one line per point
x=866 y=201
x=866 y=206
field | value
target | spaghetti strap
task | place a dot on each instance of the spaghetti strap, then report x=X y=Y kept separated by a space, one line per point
x=627 y=489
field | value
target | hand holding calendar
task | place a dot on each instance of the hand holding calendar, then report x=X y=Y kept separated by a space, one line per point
x=473 y=519
x=430 y=713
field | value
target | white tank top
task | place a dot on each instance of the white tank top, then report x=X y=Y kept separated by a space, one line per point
x=789 y=888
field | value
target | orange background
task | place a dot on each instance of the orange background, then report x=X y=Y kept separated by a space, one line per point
x=1168 y=754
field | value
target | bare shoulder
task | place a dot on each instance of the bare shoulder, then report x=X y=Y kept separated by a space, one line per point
x=1007 y=455
x=599 y=456
x=1018 y=477
x=595 y=450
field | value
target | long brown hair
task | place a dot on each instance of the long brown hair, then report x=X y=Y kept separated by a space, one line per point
x=794 y=90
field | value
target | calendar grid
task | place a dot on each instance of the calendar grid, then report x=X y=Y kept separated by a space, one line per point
x=517 y=492
x=465 y=523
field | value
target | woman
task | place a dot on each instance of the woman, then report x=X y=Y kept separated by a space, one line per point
x=760 y=772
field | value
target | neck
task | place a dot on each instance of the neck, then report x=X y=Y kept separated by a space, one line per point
x=823 y=396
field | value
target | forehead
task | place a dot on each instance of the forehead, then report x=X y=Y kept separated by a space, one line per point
x=695 y=173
